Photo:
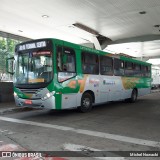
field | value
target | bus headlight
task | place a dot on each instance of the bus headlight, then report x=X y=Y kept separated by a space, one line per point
x=15 y=94
x=48 y=95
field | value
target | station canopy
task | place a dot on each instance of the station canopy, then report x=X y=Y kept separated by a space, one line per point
x=129 y=26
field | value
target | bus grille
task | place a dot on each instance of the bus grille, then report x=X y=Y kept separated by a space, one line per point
x=30 y=91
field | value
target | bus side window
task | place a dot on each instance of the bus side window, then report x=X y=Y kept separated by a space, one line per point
x=90 y=63
x=59 y=59
x=137 y=70
x=106 y=65
x=65 y=60
x=69 y=63
x=148 y=71
x=145 y=71
x=129 y=69
x=66 y=63
x=118 y=67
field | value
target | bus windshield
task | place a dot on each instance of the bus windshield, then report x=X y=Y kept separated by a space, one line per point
x=33 y=67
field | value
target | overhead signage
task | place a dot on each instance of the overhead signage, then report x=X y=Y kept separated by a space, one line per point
x=32 y=45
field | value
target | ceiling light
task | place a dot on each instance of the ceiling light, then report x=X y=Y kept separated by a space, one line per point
x=45 y=16
x=142 y=12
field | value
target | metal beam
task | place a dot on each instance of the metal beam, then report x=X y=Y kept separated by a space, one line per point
x=13 y=36
x=144 y=38
x=151 y=57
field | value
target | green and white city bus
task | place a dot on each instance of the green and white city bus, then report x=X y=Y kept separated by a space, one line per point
x=54 y=74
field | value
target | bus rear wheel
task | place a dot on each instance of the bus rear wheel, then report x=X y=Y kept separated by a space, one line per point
x=86 y=103
x=133 y=96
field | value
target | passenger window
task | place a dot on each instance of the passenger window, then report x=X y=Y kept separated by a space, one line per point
x=90 y=63
x=65 y=63
x=106 y=65
x=137 y=70
x=137 y=67
x=118 y=67
x=129 y=65
x=129 y=69
x=146 y=71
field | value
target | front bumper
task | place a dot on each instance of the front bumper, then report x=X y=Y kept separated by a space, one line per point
x=38 y=103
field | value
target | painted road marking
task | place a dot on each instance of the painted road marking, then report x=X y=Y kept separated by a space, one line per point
x=87 y=132
x=3 y=131
x=6 y=132
x=89 y=151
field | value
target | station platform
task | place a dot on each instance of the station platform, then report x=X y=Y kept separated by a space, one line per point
x=10 y=107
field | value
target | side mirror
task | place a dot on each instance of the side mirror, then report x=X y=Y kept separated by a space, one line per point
x=10 y=65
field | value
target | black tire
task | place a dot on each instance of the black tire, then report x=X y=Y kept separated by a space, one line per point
x=86 y=103
x=133 y=96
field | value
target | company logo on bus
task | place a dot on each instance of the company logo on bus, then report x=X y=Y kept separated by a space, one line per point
x=32 y=45
x=109 y=82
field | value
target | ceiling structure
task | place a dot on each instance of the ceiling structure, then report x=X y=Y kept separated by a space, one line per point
x=132 y=25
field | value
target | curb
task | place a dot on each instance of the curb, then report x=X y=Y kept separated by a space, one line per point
x=15 y=109
x=155 y=91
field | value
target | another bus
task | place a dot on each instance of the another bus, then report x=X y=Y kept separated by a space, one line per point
x=155 y=77
x=54 y=74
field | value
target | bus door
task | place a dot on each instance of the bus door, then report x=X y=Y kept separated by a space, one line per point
x=66 y=70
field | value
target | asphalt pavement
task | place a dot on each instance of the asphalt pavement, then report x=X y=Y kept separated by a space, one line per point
x=112 y=129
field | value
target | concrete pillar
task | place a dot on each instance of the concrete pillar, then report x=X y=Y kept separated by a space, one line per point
x=142 y=50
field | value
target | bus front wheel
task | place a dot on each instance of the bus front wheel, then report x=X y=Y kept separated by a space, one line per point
x=133 y=96
x=86 y=103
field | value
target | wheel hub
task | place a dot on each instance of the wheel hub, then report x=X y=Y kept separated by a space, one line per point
x=86 y=102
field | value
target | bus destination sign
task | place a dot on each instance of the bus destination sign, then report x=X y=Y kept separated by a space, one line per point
x=32 y=45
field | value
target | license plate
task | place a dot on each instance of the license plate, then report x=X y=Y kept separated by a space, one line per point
x=28 y=102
